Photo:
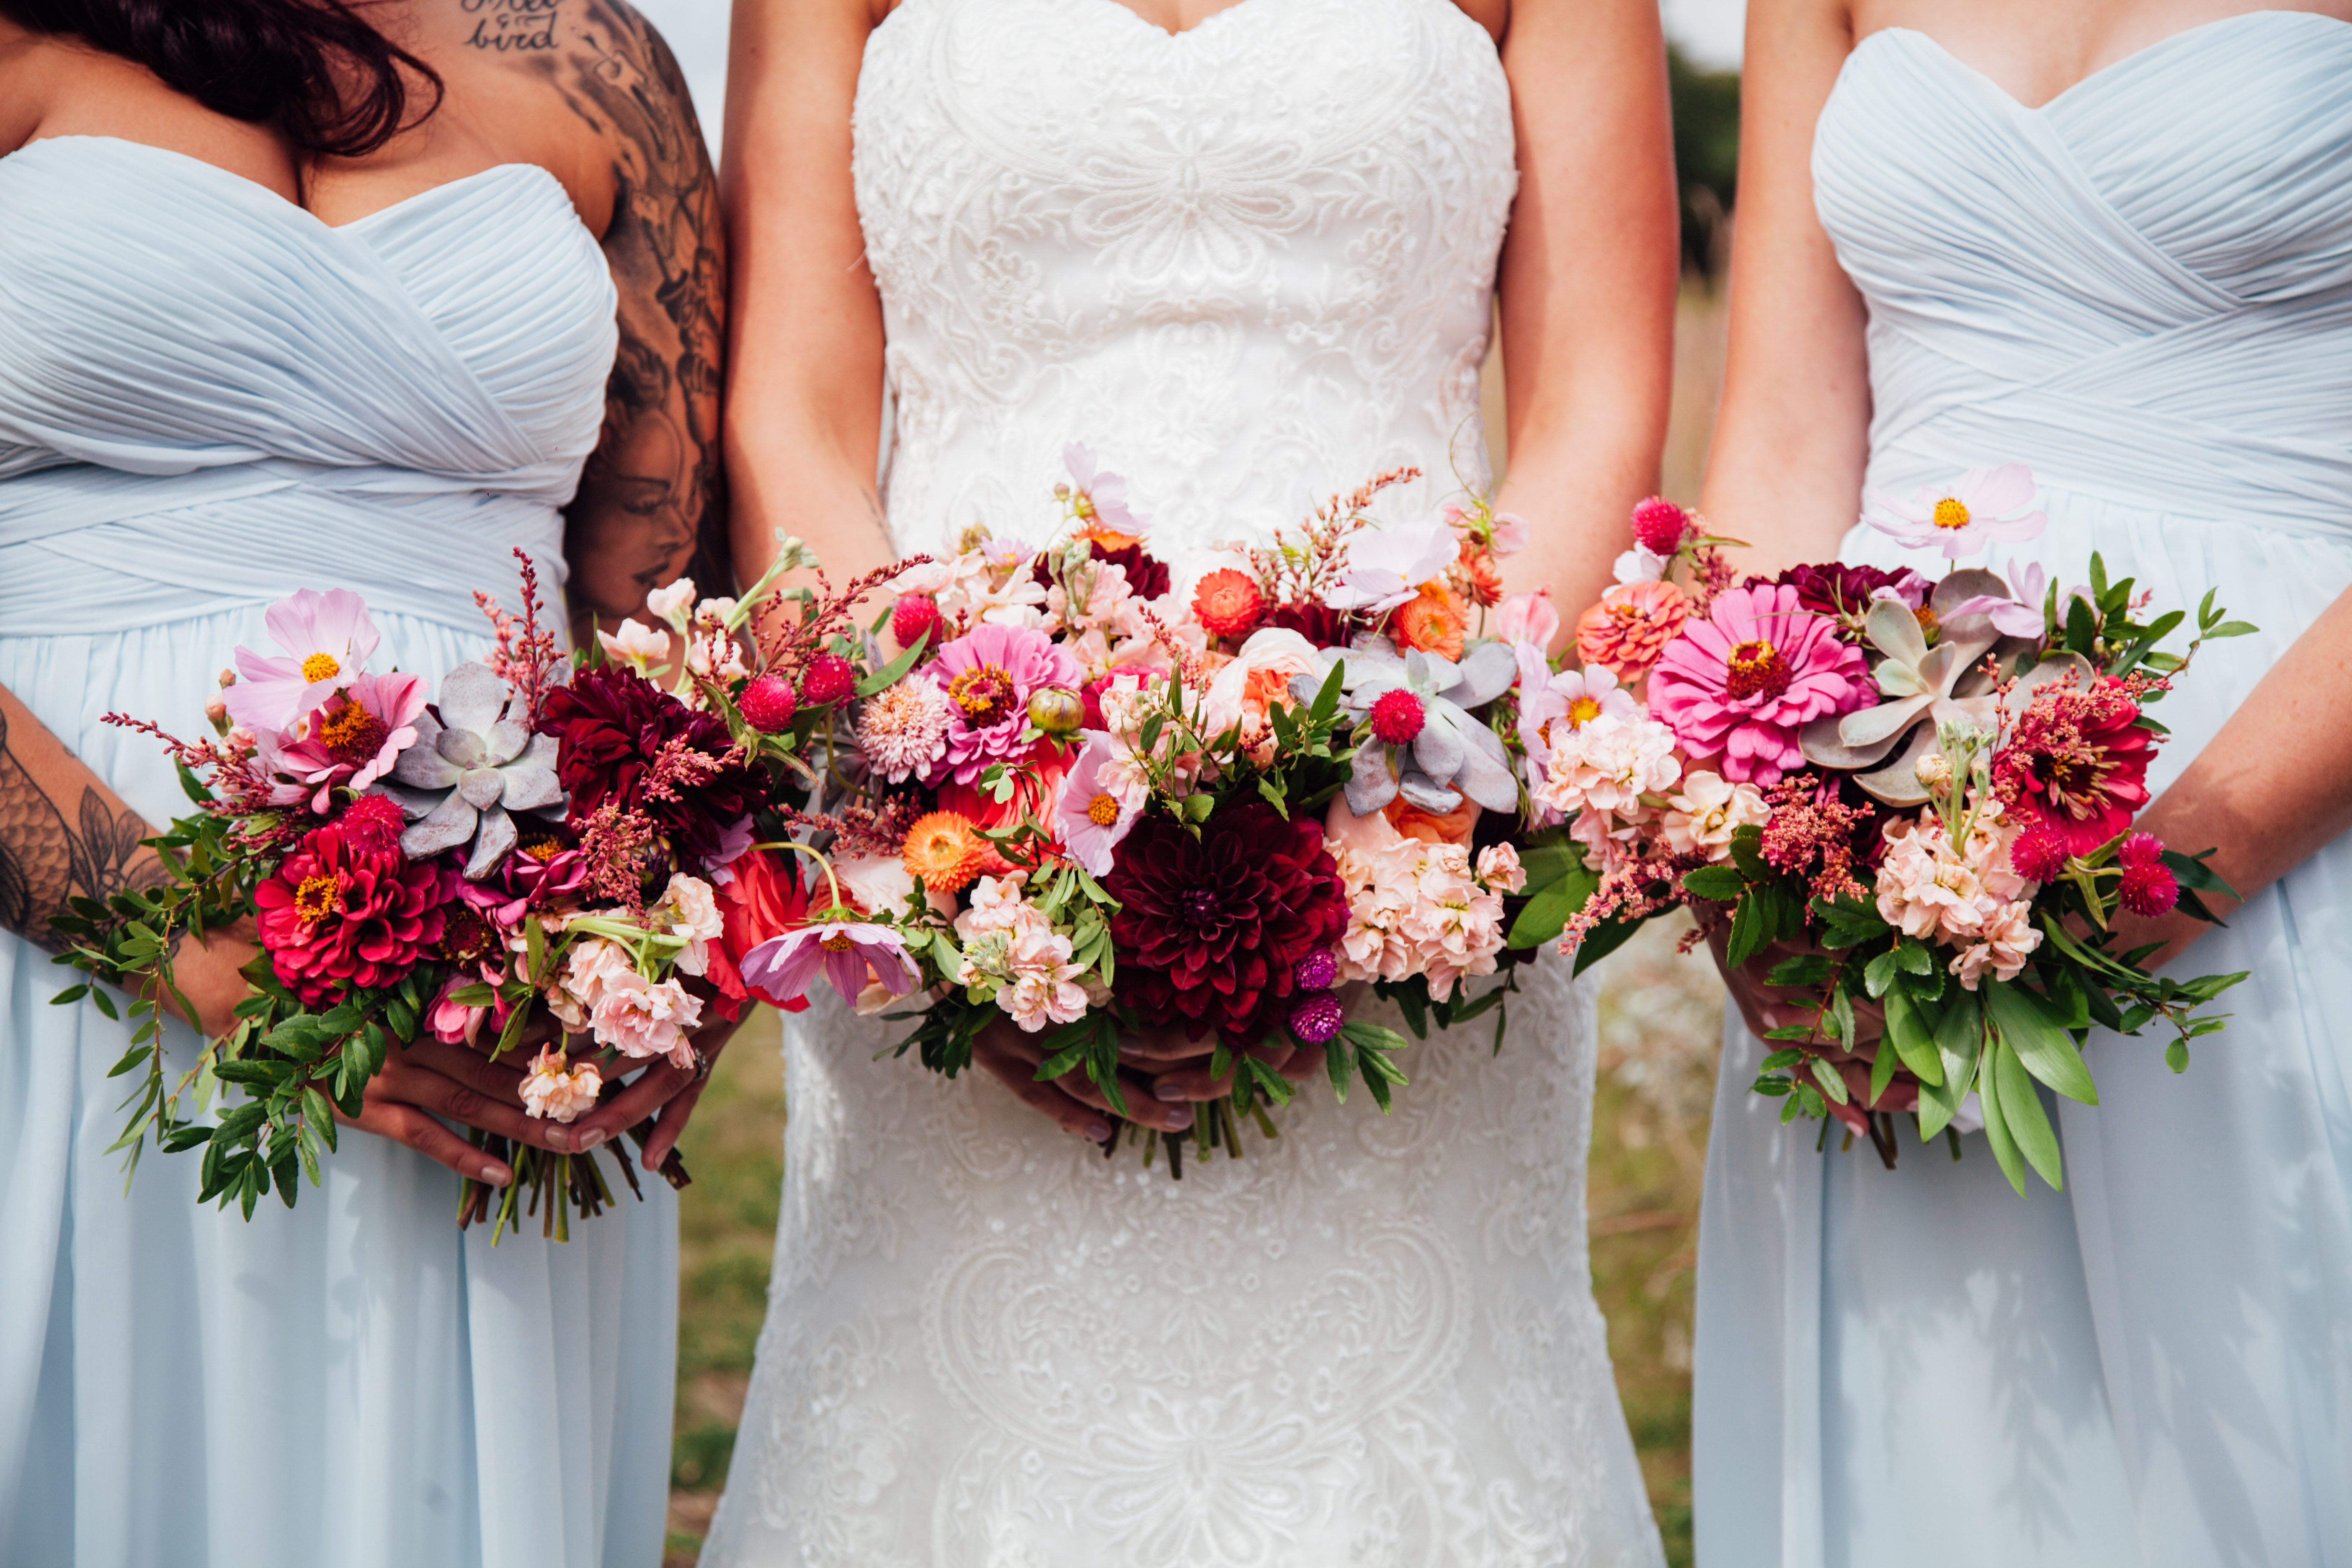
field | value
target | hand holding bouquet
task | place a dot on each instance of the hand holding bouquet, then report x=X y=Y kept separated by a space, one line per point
x=1917 y=795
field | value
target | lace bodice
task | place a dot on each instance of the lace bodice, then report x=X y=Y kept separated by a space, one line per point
x=1249 y=264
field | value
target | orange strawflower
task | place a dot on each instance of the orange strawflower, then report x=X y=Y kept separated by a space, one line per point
x=1433 y=623
x=945 y=850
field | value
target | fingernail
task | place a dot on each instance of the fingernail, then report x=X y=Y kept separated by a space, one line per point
x=591 y=1137
x=1168 y=1091
x=1097 y=1131
x=559 y=1136
x=1176 y=1119
x=497 y=1175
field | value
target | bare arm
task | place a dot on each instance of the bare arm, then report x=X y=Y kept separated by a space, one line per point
x=1785 y=470
x=804 y=392
x=653 y=502
x=63 y=833
x=1587 y=283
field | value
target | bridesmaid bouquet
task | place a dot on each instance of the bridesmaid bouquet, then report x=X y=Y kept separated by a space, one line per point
x=1088 y=803
x=1917 y=792
x=543 y=853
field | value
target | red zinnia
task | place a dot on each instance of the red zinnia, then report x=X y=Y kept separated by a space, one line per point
x=764 y=898
x=1227 y=604
x=1213 y=928
x=338 y=915
x=2078 y=761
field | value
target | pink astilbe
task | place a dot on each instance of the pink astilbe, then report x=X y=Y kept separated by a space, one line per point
x=612 y=845
x=1812 y=838
x=526 y=656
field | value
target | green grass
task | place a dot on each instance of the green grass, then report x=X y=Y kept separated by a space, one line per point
x=1659 y=1017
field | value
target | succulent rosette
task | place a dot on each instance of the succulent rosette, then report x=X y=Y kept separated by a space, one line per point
x=473 y=765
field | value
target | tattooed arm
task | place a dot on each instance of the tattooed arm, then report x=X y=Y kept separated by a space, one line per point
x=652 y=504
x=62 y=832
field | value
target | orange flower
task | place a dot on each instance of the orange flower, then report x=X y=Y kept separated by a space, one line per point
x=1478 y=576
x=1631 y=627
x=1433 y=623
x=1227 y=604
x=1431 y=828
x=945 y=850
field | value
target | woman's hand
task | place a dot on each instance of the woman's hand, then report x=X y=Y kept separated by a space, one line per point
x=1766 y=1006
x=208 y=972
x=664 y=1091
x=1072 y=1102
x=420 y=1084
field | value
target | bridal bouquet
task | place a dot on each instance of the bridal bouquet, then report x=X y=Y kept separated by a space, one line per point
x=1917 y=794
x=532 y=854
x=1092 y=801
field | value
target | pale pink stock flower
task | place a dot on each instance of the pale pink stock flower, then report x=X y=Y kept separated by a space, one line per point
x=1499 y=869
x=636 y=644
x=1454 y=926
x=2009 y=937
x=876 y=884
x=1528 y=618
x=674 y=603
x=1638 y=565
x=1708 y=811
x=688 y=908
x=554 y=1092
x=640 y=1017
x=1045 y=988
x=588 y=969
x=1964 y=516
x=1608 y=763
x=1106 y=605
x=327 y=639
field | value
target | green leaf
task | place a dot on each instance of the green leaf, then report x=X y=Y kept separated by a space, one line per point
x=1959 y=1032
x=1839 y=1017
x=1778 y=1060
x=2081 y=628
x=1719 y=884
x=2233 y=629
x=104 y=1003
x=1752 y=928
x=890 y=673
x=1913 y=958
x=1878 y=975
x=1803 y=969
x=2004 y=1148
x=1913 y=1041
x=1327 y=696
x=2029 y=1122
x=1832 y=1083
x=2175 y=1056
x=1547 y=912
x=1270 y=1083
x=1603 y=940
x=2192 y=871
x=1747 y=852
x=1273 y=796
x=1197 y=807
x=2047 y=1051
x=1882 y=1070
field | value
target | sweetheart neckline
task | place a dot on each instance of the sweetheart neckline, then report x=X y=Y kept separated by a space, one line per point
x=1180 y=34
x=2112 y=66
x=258 y=189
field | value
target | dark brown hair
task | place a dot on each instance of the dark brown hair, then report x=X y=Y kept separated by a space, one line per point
x=314 y=69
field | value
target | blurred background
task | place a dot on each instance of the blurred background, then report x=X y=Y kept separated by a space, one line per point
x=1660 y=1010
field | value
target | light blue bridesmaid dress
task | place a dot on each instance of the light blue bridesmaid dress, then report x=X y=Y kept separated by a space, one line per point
x=209 y=399
x=2142 y=290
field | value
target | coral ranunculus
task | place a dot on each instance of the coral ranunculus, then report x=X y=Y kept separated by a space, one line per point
x=1210 y=929
x=1742 y=682
x=1630 y=628
x=337 y=916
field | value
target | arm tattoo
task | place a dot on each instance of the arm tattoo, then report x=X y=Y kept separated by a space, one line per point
x=652 y=501
x=44 y=860
x=505 y=27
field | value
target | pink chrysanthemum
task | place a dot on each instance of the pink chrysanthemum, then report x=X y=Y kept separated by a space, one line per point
x=2148 y=889
x=1742 y=682
x=988 y=677
x=903 y=729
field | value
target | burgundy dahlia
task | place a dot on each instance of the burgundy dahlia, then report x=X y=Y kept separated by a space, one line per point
x=1213 y=928
x=338 y=915
x=612 y=724
x=1843 y=592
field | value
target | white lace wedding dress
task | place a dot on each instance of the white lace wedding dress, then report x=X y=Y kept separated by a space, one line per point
x=1250 y=264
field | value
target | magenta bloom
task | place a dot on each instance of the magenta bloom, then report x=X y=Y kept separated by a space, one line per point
x=328 y=640
x=1093 y=814
x=781 y=969
x=352 y=740
x=988 y=677
x=1742 y=682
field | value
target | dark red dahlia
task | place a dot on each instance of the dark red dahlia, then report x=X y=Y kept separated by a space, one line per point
x=1211 y=929
x=1843 y=592
x=2077 y=760
x=1319 y=624
x=338 y=915
x=613 y=726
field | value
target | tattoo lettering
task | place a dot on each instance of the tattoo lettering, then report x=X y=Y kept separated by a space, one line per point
x=44 y=861
x=513 y=26
x=652 y=502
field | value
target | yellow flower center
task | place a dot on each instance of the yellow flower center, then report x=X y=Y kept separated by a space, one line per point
x=1583 y=712
x=316 y=899
x=1102 y=811
x=839 y=941
x=1951 y=512
x=544 y=849
x=320 y=666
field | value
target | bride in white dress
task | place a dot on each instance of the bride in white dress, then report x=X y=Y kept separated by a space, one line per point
x=1249 y=256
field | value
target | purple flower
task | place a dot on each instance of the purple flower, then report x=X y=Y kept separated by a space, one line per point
x=1315 y=1017
x=328 y=640
x=1965 y=516
x=782 y=968
x=988 y=677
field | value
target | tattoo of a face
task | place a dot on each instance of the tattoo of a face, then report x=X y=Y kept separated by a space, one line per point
x=652 y=501
x=45 y=861
x=512 y=26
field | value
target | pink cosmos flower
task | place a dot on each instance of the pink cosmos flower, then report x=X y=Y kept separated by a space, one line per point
x=1553 y=703
x=328 y=640
x=1387 y=566
x=1528 y=618
x=352 y=741
x=1964 y=516
x=1097 y=808
x=988 y=677
x=782 y=968
x=1104 y=490
x=2017 y=617
x=641 y=1017
x=1741 y=683
x=556 y=1092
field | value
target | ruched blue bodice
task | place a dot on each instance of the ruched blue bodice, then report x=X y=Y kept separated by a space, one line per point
x=206 y=394
x=2143 y=288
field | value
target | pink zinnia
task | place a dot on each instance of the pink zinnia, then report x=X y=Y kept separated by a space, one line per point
x=1631 y=627
x=1742 y=682
x=988 y=677
x=352 y=741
